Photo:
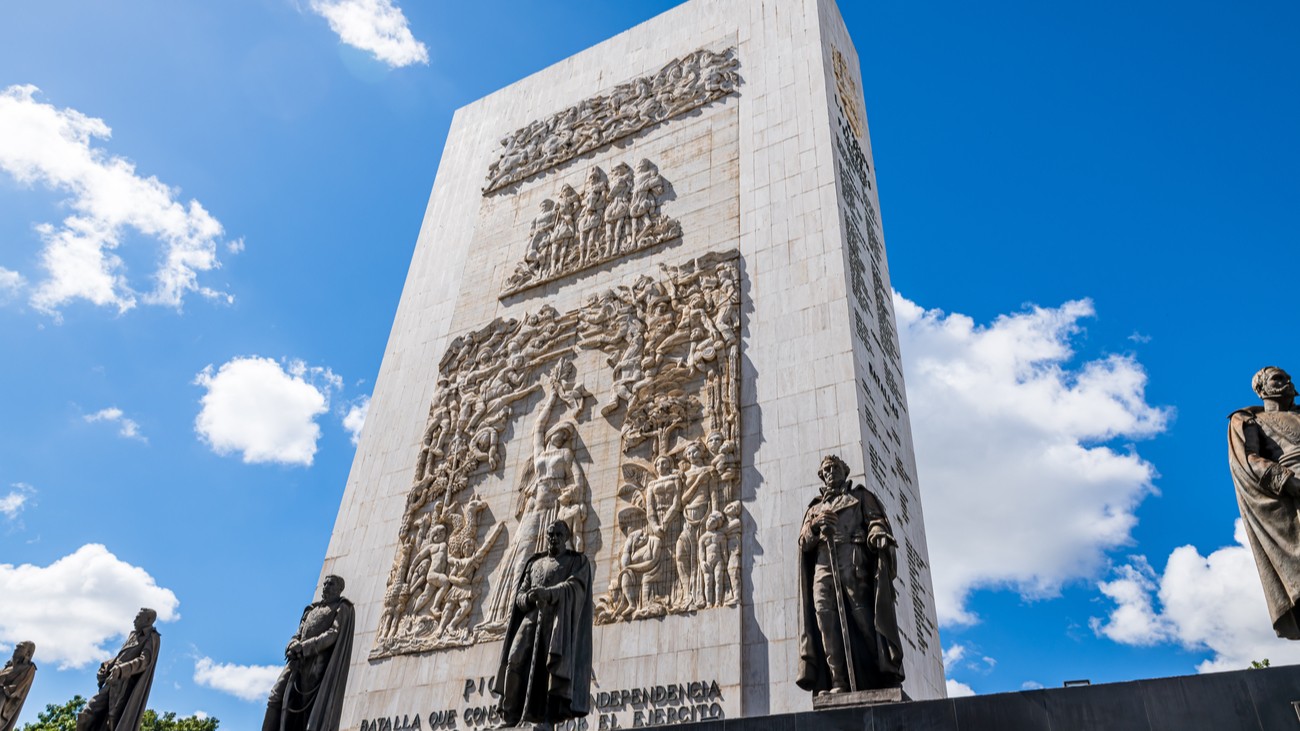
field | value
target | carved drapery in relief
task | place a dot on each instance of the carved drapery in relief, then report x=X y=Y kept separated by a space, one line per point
x=614 y=215
x=682 y=85
x=672 y=343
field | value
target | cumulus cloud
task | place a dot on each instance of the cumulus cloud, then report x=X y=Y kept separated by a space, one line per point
x=13 y=502
x=76 y=608
x=957 y=689
x=11 y=283
x=953 y=655
x=248 y=682
x=127 y=428
x=377 y=26
x=262 y=410
x=1212 y=602
x=41 y=144
x=1024 y=488
x=355 y=420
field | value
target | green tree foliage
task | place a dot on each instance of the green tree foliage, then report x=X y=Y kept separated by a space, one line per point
x=1259 y=665
x=64 y=718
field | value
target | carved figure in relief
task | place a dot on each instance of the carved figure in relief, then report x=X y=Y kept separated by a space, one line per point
x=565 y=234
x=1264 y=457
x=640 y=571
x=697 y=498
x=618 y=213
x=734 y=535
x=725 y=461
x=649 y=186
x=459 y=599
x=591 y=224
x=550 y=473
x=681 y=85
x=539 y=236
x=712 y=551
x=433 y=581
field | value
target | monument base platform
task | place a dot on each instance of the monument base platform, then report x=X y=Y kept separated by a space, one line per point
x=875 y=696
x=1242 y=700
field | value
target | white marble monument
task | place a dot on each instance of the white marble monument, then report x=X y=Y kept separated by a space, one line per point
x=649 y=294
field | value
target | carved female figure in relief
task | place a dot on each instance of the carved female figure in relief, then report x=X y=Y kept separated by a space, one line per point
x=553 y=482
x=697 y=494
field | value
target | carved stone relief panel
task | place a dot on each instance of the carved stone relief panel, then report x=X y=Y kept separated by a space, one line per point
x=682 y=85
x=614 y=215
x=850 y=97
x=671 y=347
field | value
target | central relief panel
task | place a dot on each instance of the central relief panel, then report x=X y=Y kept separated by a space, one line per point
x=594 y=379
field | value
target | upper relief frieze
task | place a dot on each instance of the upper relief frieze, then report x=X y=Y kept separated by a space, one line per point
x=684 y=84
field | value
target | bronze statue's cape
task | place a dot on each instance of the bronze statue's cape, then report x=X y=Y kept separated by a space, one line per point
x=568 y=646
x=814 y=673
x=327 y=709
x=1272 y=521
x=14 y=684
x=141 y=682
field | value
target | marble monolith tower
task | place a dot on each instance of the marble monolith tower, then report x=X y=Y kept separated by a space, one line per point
x=649 y=294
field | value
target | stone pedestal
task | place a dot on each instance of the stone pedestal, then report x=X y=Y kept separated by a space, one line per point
x=875 y=696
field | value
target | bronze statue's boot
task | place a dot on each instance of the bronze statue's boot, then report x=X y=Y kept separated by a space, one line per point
x=839 y=674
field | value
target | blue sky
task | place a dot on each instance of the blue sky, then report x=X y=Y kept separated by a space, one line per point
x=1090 y=212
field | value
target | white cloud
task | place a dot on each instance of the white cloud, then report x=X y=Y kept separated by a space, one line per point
x=355 y=420
x=957 y=689
x=200 y=715
x=377 y=26
x=12 y=504
x=78 y=607
x=249 y=682
x=267 y=413
x=953 y=655
x=11 y=283
x=1031 y=685
x=41 y=144
x=1210 y=603
x=126 y=427
x=1022 y=488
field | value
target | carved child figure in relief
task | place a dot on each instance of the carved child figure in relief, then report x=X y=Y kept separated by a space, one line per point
x=713 y=560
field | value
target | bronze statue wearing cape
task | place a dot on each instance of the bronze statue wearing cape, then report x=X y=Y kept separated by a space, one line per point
x=1264 y=456
x=846 y=590
x=308 y=696
x=15 y=681
x=545 y=670
x=125 y=681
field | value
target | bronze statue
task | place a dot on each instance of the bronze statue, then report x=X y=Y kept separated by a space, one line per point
x=848 y=640
x=15 y=681
x=1264 y=455
x=545 y=670
x=308 y=695
x=124 y=681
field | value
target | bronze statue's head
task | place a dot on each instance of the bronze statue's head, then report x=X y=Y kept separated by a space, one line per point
x=1273 y=383
x=833 y=470
x=557 y=537
x=331 y=588
x=23 y=652
x=145 y=618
